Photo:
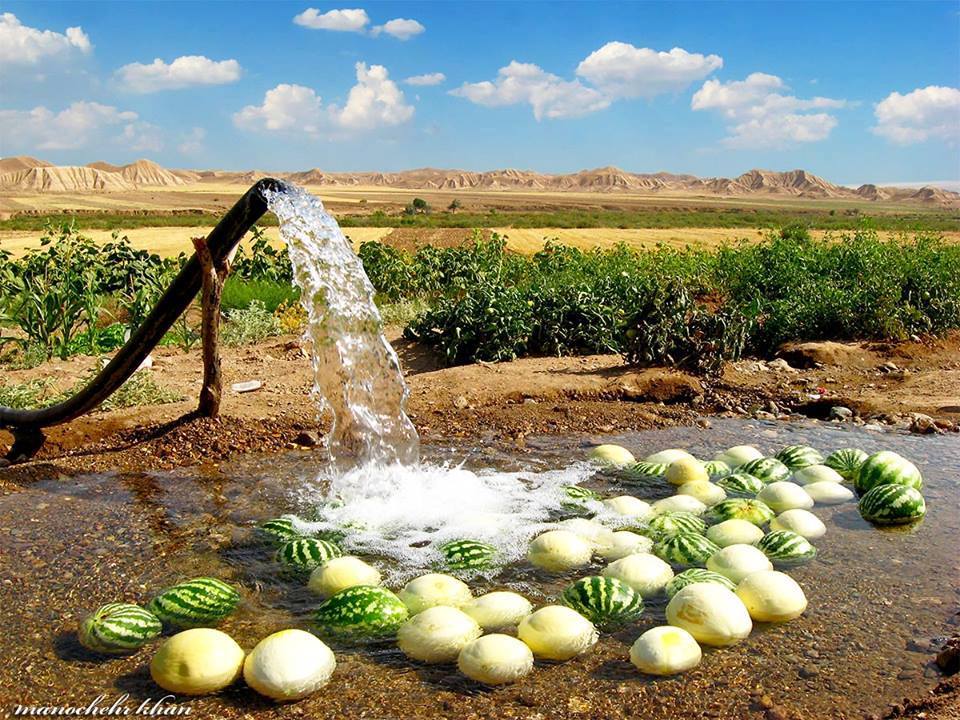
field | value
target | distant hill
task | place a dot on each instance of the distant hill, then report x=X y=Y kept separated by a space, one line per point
x=26 y=173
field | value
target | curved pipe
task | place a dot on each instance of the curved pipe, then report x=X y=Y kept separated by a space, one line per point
x=184 y=288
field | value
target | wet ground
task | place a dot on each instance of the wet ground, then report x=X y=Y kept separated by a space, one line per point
x=880 y=600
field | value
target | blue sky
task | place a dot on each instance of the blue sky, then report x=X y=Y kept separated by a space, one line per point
x=855 y=92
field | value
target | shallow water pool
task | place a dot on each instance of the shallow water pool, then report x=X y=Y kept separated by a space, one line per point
x=879 y=599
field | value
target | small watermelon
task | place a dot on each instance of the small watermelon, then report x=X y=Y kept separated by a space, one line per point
x=278 y=530
x=846 y=461
x=886 y=468
x=643 y=470
x=362 y=611
x=201 y=602
x=671 y=523
x=606 y=602
x=766 y=469
x=753 y=511
x=685 y=549
x=797 y=457
x=305 y=554
x=786 y=547
x=892 y=504
x=740 y=484
x=697 y=575
x=118 y=628
x=577 y=498
x=716 y=468
x=467 y=554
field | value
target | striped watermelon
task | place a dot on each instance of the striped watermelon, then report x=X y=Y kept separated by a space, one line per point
x=741 y=484
x=697 y=575
x=797 y=457
x=753 y=511
x=846 y=461
x=278 y=530
x=577 y=498
x=201 y=602
x=305 y=554
x=716 y=468
x=604 y=601
x=467 y=554
x=685 y=549
x=886 y=468
x=671 y=523
x=766 y=469
x=118 y=628
x=892 y=504
x=643 y=470
x=786 y=547
x=362 y=611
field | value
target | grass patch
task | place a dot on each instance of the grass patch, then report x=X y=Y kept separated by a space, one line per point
x=140 y=390
x=239 y=293
x=249 y=325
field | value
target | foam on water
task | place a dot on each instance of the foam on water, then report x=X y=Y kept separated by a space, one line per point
x=404 y=512
x=356 y=372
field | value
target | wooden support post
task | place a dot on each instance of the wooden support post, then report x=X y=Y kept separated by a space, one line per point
x=214 y=276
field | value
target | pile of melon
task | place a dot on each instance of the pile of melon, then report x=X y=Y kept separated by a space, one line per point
x=716 y=549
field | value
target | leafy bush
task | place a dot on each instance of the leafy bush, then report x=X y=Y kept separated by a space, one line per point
x=249 y=325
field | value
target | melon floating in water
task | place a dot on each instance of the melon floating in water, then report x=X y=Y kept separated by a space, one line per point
x=362 y=611
x=670 y=523
x=686 y=469
x=118 y=628
x=679 y=503
x=604 y=601
x=739 y=455
x=734 y=532
x=796 y=457
x=495 y=659
x=696 y=575
x=846 y=461
x=755 y=511
x=685 y=549
x=197 y=662
x=704 y=491
x=740 y=485
x=802 y=522
x=781 y=496
x=556 y=632
x=711 y=613
x=647 y=574
x=341 y=573
x=772 y=596
x=498 y=610
x=626 y=543
x=278 y=530
x=826 y=492
x=437 y=635
x=599 y=536
x=766 y=469
x=468 y=554
x=886 y=468
x=612 y=455
x=289 y=665
x=785 y=547
x=629 y=506
x=735 y=562
x=302 y=555
x=669 y=456
x=665 y=650
x=817 y=473
x=717 y=468
x=892 y=504
x=559 y=551
x=434 y=589
x=200 y=602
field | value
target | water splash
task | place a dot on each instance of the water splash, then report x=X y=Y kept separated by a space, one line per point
x=356 y=371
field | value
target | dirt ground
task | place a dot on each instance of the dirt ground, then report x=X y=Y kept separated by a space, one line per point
x=593 y=395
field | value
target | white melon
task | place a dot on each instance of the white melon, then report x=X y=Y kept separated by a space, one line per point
x=684 y=470
x=611 y=456
x=197 y=662
x=772 y=596
x=666 y=457
x=559 y=551
x=679 y=503
x=437 y=635
x=341 y=573
x=711 y=613
x=626 y=543
x=665 y=650
x=704 y=491
x=802 y=522
x=645 y=573
x=734 y=532
x=289 y=665
x=817 y=473
x=782 y=495
x=629 y=506
x=735 y=562
x=498 y=610
x=599 y=536
x=827 y=492
x=739 y=455
x=495 y=659
x=434 y=589
x=556 y=632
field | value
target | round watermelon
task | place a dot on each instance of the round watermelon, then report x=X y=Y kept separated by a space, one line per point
x=886 y=468
x=697 y=575
x=685 y=549
x=119 y=628
x=892 y=504
x=766 y=469
x=797 y=457
x=846 y=461
x=201 y=602
x=786 y=547
x=753 y=511
x=604 y=601
x=740 y=484
x=362 y=611
x=467 y=554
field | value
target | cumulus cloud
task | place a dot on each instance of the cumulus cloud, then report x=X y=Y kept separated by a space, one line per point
x=375 y=101
x=192 y=142
x=355 y=20
x=926 y=113
x=621 y=70
x=550 y=96
x=400 y=28
x=614 y=72
x=762 y=115
x=185 y=71
x=426 y=79
x=77 y=126
x=23 y=45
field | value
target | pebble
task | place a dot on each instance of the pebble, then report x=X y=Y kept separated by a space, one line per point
x=308 y=438
x=246 y=386
x=839 y=412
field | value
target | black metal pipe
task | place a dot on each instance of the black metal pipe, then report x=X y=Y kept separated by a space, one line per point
x=184 y=288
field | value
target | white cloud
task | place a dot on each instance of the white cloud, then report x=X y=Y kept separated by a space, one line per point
x=142 y=137
x=550 y=96
x=374 y=102
x=22 y=45
x=77 y=126
x=426 y=79
x=185 y=71
x=192 y=142
x=621 y=70
x=762 y=116
x=338 y=20
x=400 y=28
x=926 y=113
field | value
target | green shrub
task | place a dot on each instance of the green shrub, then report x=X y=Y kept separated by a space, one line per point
x=248 y=325
x=239 y=293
